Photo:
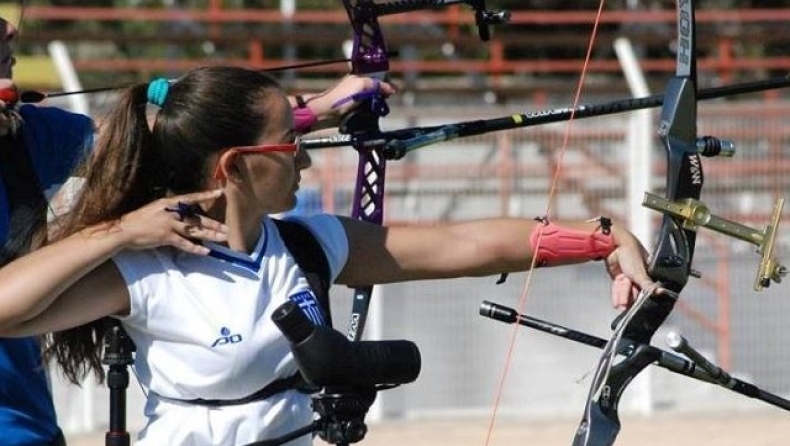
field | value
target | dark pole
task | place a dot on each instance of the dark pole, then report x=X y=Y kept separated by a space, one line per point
x=118 y=349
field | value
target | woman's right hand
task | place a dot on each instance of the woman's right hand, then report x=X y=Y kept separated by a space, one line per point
x=169 y=222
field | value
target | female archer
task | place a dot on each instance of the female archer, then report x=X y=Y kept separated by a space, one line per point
x=173 y=235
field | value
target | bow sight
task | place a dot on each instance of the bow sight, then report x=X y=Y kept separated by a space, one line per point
x=483 y=17
x=694 y=213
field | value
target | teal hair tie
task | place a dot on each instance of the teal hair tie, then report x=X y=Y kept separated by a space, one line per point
x=157 y=91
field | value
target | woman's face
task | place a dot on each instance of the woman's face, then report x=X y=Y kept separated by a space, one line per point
x=274 y=176
x=7 y=91
x=7 y=35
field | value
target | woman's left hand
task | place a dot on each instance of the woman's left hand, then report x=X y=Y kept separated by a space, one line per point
x=627 y=266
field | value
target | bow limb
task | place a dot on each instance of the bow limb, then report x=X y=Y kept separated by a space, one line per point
x=671 y=261
x=369 y=57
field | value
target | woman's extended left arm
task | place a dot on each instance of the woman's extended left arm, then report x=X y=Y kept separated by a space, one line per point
x=487 y=247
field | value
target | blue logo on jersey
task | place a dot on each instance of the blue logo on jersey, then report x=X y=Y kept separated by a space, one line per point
x=309 y=306
x=226 y=338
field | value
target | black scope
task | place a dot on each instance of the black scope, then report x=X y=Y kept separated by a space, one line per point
x=326 y=358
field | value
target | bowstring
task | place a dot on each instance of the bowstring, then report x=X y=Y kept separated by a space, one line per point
x=554 y=186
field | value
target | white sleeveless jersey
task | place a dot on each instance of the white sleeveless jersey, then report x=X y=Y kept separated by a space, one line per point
x=203 y=329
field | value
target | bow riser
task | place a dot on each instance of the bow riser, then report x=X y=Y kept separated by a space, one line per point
x=671 y=262
x=369 y=54
x=369 y=57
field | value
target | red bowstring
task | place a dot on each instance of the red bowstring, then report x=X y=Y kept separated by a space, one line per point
x=552 y=191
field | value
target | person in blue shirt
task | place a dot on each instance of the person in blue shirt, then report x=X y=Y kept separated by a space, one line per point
x=55 y=141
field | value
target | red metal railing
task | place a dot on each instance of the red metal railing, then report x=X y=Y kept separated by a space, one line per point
x=723 y=32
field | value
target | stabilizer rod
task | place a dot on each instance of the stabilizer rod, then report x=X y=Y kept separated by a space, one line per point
x=666 y=360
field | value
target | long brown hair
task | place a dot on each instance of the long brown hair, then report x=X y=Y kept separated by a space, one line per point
x=205 y=111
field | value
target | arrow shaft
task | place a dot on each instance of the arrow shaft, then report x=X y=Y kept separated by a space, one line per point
x=412 y=138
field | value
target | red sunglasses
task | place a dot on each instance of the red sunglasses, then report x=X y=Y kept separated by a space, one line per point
x=263 y=148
